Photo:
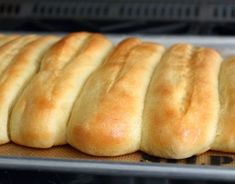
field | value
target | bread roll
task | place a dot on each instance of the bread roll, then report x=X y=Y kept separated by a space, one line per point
x=106 y=118
x=225 y=139
x=40 y=115
x=10 y=47
x=182 y=103
x=16 y=75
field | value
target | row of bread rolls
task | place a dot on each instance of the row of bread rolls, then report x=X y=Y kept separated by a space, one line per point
x=110 y=100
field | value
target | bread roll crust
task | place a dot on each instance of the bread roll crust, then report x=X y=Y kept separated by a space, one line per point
x=182 y=103
x=10 y=71
x=9 y=50
x=225 y=138
x=44 y=107
x=22 y=68
x=106 y=118
x=64 y=51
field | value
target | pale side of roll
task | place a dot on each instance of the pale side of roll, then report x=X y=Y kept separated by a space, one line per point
x=106 y=118
x=17 y=74
x=182 y=104
x=40 y=115
x=225 y=139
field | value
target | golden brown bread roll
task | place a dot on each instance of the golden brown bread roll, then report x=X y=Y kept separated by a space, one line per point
x=106 y=118
x=8 y=51
x=17 y=74
x=41 y=113
x=182 y=103
x=225 y=139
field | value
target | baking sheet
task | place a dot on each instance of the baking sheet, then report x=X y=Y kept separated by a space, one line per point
x=67 y=152
x=210 y=165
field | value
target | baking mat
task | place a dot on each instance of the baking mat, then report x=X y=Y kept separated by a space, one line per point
x=67 y=152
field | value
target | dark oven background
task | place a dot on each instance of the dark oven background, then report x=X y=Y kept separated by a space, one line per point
x=178 y=17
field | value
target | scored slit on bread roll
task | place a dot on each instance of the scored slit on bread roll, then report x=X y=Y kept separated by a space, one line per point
x=10 y=49
x=40 y=115
x=17 y=74
x=225 y=139
x=106 y=117
x=182 y=103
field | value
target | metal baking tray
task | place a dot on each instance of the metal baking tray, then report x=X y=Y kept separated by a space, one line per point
x=210 y=165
